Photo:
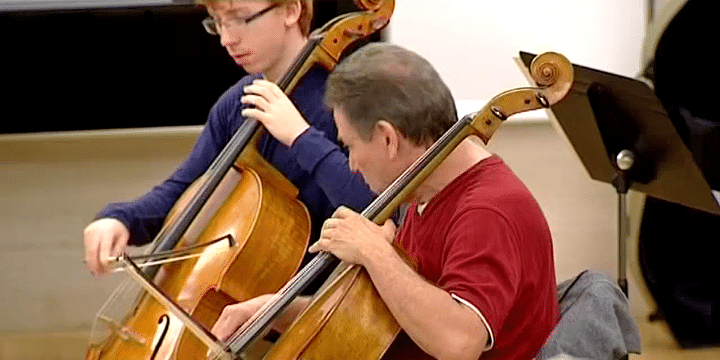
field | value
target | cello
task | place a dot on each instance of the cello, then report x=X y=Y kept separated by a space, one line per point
x=349 y=308
x=227 y=217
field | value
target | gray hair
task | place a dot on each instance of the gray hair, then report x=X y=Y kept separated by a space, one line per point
x=382 y=81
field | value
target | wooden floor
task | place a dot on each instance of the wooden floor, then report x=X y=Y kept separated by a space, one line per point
x=657 y=344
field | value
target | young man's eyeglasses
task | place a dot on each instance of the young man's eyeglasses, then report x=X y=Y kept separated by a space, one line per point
x=213 y=26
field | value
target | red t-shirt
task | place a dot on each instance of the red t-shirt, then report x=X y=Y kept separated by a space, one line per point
x=484 y=239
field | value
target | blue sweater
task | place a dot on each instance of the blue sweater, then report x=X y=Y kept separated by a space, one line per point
x=314 y=163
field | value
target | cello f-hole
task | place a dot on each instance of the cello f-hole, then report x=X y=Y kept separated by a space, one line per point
x=164 y=325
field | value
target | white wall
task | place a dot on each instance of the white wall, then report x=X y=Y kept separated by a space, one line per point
x=472 y=43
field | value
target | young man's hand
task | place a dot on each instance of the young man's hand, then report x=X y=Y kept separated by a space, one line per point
x=104 y=238
x=274 y=110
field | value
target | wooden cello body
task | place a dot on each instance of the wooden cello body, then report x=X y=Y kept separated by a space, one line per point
x=263 y=232
x=245 y=212
x=348 y=319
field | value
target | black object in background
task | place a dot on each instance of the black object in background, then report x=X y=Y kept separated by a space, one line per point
x=676 y=242
x=109 y=67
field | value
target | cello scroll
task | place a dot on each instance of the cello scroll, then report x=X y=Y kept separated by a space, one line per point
x=554 y=75
x=339 y=33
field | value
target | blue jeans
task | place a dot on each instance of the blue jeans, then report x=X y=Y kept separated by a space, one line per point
x=595 y=321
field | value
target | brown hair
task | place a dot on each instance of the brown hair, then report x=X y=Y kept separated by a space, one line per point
x=306 y=12
x=382 y=81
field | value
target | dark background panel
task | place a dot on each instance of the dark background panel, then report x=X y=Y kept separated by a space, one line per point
x=102 y=68
x=675 y=241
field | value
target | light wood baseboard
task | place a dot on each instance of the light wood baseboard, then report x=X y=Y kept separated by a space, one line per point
x=70 y=345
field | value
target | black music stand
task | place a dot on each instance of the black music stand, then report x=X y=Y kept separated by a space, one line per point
x=624 y=137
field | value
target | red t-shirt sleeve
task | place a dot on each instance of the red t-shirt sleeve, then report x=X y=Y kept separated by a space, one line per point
x=481 y=263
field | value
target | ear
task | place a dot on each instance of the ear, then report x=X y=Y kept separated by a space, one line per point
x=292 y=13
x=389 y=138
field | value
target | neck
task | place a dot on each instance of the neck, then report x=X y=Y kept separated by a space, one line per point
x=468 y=153
x=295 y=42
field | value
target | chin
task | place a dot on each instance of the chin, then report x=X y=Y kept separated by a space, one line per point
x=378 y=189
x=374 y=189
x=247 y=69
x=250 y=68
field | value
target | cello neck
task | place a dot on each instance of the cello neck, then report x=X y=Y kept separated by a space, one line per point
x=170 y=235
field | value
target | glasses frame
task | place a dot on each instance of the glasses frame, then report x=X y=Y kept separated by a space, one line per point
x=213 y=26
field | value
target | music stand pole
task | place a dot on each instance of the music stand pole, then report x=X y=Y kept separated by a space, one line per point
x=624 y=160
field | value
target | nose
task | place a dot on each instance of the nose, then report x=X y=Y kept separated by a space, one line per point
x=227 y=37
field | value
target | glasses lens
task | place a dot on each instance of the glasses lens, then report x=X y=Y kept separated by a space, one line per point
x=210 y=26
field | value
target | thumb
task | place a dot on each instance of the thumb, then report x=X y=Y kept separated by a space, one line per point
x=389 y=229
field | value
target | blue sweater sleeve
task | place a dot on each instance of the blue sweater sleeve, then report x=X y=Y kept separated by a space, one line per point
x=317 y=154
x=314 y=163
x=328 y=164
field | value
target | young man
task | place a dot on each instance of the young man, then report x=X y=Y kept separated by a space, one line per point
x=263 y=37
x=485 y=282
